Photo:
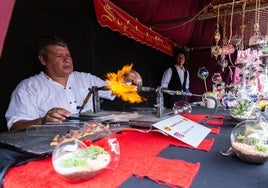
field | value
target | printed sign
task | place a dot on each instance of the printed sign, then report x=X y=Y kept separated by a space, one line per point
x=183 y=129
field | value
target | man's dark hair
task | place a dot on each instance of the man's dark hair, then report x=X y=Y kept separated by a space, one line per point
x=177 y=51
x=44 y=41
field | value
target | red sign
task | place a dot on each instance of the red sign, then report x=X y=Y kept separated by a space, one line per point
x=116 y=19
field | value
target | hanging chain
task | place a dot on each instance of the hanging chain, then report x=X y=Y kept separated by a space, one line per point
x=217 y=34
x=243 y=24
x=224 y=41
x=257 y=17
x=231 y=22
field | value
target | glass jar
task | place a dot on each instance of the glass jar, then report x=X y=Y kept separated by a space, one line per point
x=249 y=140
x=83 y=154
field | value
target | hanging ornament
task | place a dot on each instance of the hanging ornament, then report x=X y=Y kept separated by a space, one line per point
x=217 y=36
x=241 y=54
x=265 y=38
x=237 y=40
x=203 y=74
x=223 y=63
x=231 y=73
x=216 y=78
x=224 y=39
x=228 y=47
x=216 y=50
x=243 y=26
x=256 y=41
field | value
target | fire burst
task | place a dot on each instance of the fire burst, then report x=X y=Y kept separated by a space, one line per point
x=118 y=86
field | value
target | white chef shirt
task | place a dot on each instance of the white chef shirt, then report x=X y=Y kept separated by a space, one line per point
x=34 y=96
x=168 y=73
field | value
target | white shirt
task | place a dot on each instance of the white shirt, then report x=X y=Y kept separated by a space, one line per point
x=167 y=77
x=34 y=96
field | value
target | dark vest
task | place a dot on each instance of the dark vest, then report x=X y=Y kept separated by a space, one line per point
x=175 y=82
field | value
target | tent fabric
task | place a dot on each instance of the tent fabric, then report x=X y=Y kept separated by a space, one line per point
x=5 y=15
x=191 y=34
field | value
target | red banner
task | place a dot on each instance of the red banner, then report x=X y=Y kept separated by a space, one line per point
x=116 y=19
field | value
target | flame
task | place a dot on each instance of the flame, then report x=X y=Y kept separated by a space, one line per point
x=116 y=83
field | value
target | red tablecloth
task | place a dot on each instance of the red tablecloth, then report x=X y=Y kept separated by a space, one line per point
x=138 y=156
x=214 y=123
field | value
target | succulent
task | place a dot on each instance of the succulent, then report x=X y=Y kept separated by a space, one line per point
x=242 y=107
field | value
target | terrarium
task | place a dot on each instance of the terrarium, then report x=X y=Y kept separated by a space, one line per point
x=249 y=140
x=83 y=154
x=244 y=110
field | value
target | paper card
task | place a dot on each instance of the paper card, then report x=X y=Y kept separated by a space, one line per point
x=183 y=129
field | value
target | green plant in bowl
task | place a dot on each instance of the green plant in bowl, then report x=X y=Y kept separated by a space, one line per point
x=241 y=107
x=244 y=110
x=249 y=140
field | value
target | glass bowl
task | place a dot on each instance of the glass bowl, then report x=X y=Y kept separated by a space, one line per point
x=182 y=107
x=78 y=157
x=240 y=118
x=249 y=140
x=244 y=110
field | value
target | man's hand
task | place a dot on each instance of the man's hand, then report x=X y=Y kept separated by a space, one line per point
x=53 y=115
x=56 y=115
x=133 y=78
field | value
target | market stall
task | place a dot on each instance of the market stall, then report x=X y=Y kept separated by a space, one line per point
x=155 y=160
